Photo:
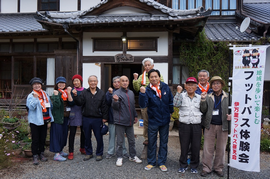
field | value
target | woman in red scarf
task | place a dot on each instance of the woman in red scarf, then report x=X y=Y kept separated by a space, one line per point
x=59 y=128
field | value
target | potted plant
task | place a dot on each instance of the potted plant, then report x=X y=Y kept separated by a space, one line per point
x=10 y=123
x=16 y=149
x=27 y=150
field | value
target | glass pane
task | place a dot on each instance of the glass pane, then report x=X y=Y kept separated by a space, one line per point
x=53 y=46
x=185 y=74
x=18 y=47
x=4 y=47
x=198 y=3
x=5 y=70
x=42 y=47
x=53 y=6
x=232 y=4
x=28 y=47
x=183 y=5
x=69 y=45
x=228 y=13
x=176 y=74
x=225 y=4
x=175 y=4
x=208 y=3
x=215 y=13
x=44 y=0
x=23 y=70
x=53 y=0
x=191 y=4
x=44 y=7
x=147 y=44
x=216 y=5
x=42 y=68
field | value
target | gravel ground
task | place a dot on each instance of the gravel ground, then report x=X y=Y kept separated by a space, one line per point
x=77 y=168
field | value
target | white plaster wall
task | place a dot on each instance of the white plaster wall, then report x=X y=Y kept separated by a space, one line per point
x=69 y=5
x=91 y=69
x=9 y=6
x=162 y=43
x=87 y=4
x=267 y=65
x=28 y=6
x=163 y=68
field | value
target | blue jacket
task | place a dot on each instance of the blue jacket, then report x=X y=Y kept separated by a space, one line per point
x=35 y=115
x=159 y=110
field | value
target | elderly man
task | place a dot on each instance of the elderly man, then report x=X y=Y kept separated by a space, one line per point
x=215 y=105
x=95 y=112
x=203 y=85
x=125 y=116
x=143 y=80
x=111 y=147
x=159 y=99
x=190 y=124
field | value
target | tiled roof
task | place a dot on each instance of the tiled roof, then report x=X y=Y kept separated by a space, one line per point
x=228 y=32
x=10 y=23
x=259 y=12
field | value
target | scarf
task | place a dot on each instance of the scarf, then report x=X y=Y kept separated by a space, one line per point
x=42 y=97
x=202 y=88
x=79 y=89
x=156 y=89
x=64 y=94
x=143 y=82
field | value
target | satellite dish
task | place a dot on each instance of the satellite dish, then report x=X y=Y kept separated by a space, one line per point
x=245 y=24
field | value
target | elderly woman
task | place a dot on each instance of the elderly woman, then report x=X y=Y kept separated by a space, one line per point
x=75 y=117
x=39 y=106
x=59 y=128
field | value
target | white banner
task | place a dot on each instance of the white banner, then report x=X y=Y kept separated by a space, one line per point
x=247 y=96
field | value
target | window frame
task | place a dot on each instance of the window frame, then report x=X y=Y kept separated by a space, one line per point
x=40 y=6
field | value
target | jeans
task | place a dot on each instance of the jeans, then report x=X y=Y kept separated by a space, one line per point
x=112 y=136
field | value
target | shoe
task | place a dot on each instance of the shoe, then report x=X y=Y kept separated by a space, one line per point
x=163 y=168
x=182 y=170
x=70 y=156
x=125 y=155
x=194 y=170
x=119 y=162
x=63 y=154
x=88 y=157
x=108 y=156
x=42 y=157
x=148 y=167
x=82 y=150
x=35 y=159
x=135 y=159
x=59 y=157
x=219 y=173
x=204 y=173
x=145 y=142
x=98 y=157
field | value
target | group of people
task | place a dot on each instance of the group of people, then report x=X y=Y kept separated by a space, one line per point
x=203 y=108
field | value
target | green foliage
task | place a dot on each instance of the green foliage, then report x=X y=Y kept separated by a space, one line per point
x=10 y=120
x=22 y=130
x=265 y=145
x=205 y=54
x=27 y=139
x=175 y=114
x=27 y=146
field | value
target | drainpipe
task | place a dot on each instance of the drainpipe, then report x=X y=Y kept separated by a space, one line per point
x=266 y=30
x=65 y=26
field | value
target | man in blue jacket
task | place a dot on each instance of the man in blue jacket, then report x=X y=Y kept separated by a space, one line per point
x=158 y=97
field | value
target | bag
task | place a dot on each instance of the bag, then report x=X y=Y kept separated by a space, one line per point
x=104 y=129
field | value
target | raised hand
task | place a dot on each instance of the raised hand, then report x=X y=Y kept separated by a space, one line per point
x=74 y=91
x=55 y=92
x=69 y=89
x=135 y=75
x=115 y=97
x=142 y=89
x=179 y=89
x=110 y=90
x=203 y=95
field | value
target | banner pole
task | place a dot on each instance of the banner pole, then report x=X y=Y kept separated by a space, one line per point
x=229 y=122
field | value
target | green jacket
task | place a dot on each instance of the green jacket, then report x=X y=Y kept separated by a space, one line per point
x=207 y=106
x=58 y=108
x=137 y=83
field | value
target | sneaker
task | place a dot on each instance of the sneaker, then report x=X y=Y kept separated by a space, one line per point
x=135 y=159
x=98 y=157
x=194 y=170
x=163 y=168
x=108 y=156
x=182 y=170
x=219 y=173
x=82 y=150
x=63 y=154
x=70 y=156
x=42 y=157
x=58 y=157
x=125 y=155
x=148 y=167
x=88 y=157
x=119 y=162
x=35 y=159
x=204 y=173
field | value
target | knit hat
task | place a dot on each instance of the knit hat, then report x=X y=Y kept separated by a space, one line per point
x=191 y=80
x=77 y=76
x=217 y=78
x=35 y=80
x=61 y=79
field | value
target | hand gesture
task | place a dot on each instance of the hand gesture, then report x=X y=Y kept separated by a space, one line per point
x=179 y=89
x=115 y=97
x=135 y=75
x=55 y=92
x=35 y=95
x=203 y=95
x=69 y=89
x=110 y=90
x=142 y=89
x=74 y=91
x=229 y=117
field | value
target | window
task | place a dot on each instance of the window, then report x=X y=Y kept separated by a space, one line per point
x=48 y=5
x=180 y=72
x=4 y=47
x=146 y=44
x=23 y=70
x=47 y=47
x=69 y=45
x=23 y=47
x=108 y=44
x=219 y=7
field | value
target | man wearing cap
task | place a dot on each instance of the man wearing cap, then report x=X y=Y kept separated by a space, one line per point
x=215 y=105
x=190 y=130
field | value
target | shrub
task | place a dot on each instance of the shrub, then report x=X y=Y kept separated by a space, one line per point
x=265 y=145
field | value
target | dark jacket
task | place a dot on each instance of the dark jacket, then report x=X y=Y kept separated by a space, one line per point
x=92 y=105
x=59 y=108
x=207 y=106
x=110 y=109
x=159 y=110
x=124 y=111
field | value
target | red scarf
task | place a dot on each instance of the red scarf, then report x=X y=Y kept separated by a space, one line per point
x=202 y=88
x=42 y=97
x=143 y=82
x=156 y=89
x=64 y=95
